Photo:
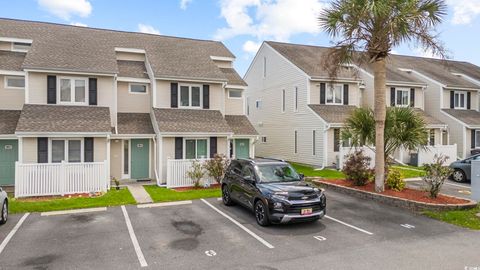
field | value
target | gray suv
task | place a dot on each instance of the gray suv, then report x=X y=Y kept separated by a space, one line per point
x=462 y=169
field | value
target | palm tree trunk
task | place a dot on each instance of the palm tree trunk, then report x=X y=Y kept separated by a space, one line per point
x=379 y=86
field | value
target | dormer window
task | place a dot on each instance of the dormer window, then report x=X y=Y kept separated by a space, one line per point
x=460 y=100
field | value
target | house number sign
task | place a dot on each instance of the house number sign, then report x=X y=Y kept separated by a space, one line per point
x=8 y=147
x=140 y=145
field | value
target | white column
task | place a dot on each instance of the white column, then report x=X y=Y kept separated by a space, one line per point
x=107 y=162
x=20 y=149
x=160 y=160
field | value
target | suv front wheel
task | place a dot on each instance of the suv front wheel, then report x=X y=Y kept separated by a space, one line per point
x=261 y=213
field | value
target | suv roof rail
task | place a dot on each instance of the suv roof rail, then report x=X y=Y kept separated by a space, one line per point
x=276 y=159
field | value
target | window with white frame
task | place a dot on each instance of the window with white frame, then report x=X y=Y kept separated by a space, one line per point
x=235 y=93
x=137 y=88
x=314 y=142
x=402 y=97
x=15 y=82
x=283 y=100
x=264 y=139
x=431 y=137
x=190 y=96
x=196 y=148
x=460 y=100
x=477 y=138
x=73 y=90
x=334 y=94
x=69 y=150
x=295 y=147
x=295 y=99
x=20 y=46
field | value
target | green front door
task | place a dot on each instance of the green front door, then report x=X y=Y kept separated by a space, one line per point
x=8 y=156
x=242 y=148
x=140 y=158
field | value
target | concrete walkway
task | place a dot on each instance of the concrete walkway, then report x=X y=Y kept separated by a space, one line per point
x=139 y=194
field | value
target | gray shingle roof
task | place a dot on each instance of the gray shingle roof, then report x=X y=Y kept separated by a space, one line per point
x=469 y=117
x=134 y=123
x=86 y=49
x=8 y=121
x=59 y=118
x=191 y=120
x=233 y=78
x=429 y=120
x=132 y=69
x=11 y=60
x=334 y=114
x=240 y=125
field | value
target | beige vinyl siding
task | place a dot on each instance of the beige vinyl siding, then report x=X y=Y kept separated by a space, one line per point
x=269 y=121
x=99 y=149
x=130 y=56
x=116 y=148
x=354 y=94
x=217 y=101
x=132 y=102
x=234 y=106
x=10 y=99
x=222 y=147
x=168 y=152
x=223 y=64
x=29 y=151
x=37 y=88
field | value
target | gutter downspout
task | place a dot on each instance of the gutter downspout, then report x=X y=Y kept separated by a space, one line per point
x=155 y=159
x=325 y=145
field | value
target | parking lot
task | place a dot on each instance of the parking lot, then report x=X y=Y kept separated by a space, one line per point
x=204 y=234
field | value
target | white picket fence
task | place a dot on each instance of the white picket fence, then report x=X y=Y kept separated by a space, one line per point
x=177 y=173
x=47 y=179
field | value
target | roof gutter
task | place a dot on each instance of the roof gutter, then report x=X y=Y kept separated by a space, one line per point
x=66 y=71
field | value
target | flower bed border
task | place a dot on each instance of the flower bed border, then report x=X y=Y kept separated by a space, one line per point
x=395 y=201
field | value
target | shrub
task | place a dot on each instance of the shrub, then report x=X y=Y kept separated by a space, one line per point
x=357 y=168
x=435 y=175
x=196 y=173
x=395 y=180
x=216 y=166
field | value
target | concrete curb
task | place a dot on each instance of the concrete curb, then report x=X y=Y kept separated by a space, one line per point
x=394 y=201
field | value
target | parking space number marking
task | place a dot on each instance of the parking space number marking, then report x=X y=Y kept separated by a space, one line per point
x=210 y=253
x=408 y=226
x=320 y=238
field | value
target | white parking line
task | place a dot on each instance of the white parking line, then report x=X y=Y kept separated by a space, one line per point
x=261 y=240
x=349 y=225
x=136 y=246
x=150 y=205
x=457 y=185
x=12 y=232
x=75 y=211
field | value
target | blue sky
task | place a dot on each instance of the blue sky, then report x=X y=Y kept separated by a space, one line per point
x=241 y=24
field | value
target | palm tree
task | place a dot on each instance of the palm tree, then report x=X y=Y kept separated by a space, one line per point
x=375 y=28
x=403 y=128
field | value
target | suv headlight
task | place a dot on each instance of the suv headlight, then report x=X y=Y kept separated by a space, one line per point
x=280 y=195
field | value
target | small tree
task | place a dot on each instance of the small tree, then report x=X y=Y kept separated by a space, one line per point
x=436 y=174
x=216 y=166
x=357 y=168
x=395 y=180
x=196 y=173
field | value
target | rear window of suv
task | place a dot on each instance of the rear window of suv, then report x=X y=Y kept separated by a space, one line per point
x=277 y=173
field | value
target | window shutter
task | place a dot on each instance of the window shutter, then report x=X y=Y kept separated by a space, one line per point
x=412 y=97
x=206 y=96
x=345 y=94
x=42 y=150
x=452 y=99
x=468 y=100
x=322 y=93
x=174 y=95
x=213 y=146
x=51 y=89
x=88 y=149
x=392 y=97
x=473 y=138
x=178 y=148
x=92 y=91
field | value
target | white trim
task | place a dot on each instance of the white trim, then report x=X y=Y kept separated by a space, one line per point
x=316 y=114
x=68 y=72
x=12 y=72
x=337 y=80
x=193 y=80
x=132 y=136
x=13 y=49
x=130 y=50
x=133 y=80
x=160 y=159
x=126 y=176
x=137 y=93
x=72 y=90
x=61 y=134
x=461 y=88
x=241 y=94
x=20 y=149
x=195 y=134
x=330 y=86
x=222 y=58
x=8 y=137
x=66 y=149
x=115 y=104
x=27 y=91
x=408 y=97
x=407 y=85
x=190 y=86
x=184 y=154
x=6 y=78
x=20 y=40
x=465 y=100
x=475 y=81
x=422 y=76
x=243 y=87
x=153 y=82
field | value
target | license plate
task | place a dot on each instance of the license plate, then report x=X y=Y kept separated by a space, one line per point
x=306 y=211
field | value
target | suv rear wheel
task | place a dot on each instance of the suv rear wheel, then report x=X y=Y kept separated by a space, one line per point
x=459 y=176
x=261 y=214
x=4 y=213
x=227 y=200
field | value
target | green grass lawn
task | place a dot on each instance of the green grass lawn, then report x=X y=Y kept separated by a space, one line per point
x=161 y=194
x=463 y=218
x=111 y=198
x=410 y=171
x=311 y=172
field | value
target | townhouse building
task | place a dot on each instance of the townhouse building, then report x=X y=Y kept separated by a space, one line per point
x=299 y=110
x=130 y=101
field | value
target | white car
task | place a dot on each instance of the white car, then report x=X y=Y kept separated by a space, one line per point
x=4 y=205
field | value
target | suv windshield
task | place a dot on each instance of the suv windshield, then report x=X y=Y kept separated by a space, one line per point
x=277 y=173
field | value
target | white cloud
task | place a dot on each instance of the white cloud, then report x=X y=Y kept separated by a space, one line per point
x=65 y=9
x=78 y=24
x=464 y=11
x=266 y=19
x=145 y=28
x=184 y=4
x=251 y=46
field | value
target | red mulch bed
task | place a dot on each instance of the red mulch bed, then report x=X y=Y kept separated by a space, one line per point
x=214 y=186
x=407 y=193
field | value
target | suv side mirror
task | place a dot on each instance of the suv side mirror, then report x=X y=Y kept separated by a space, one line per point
x=302 y=176
x=249 y=179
